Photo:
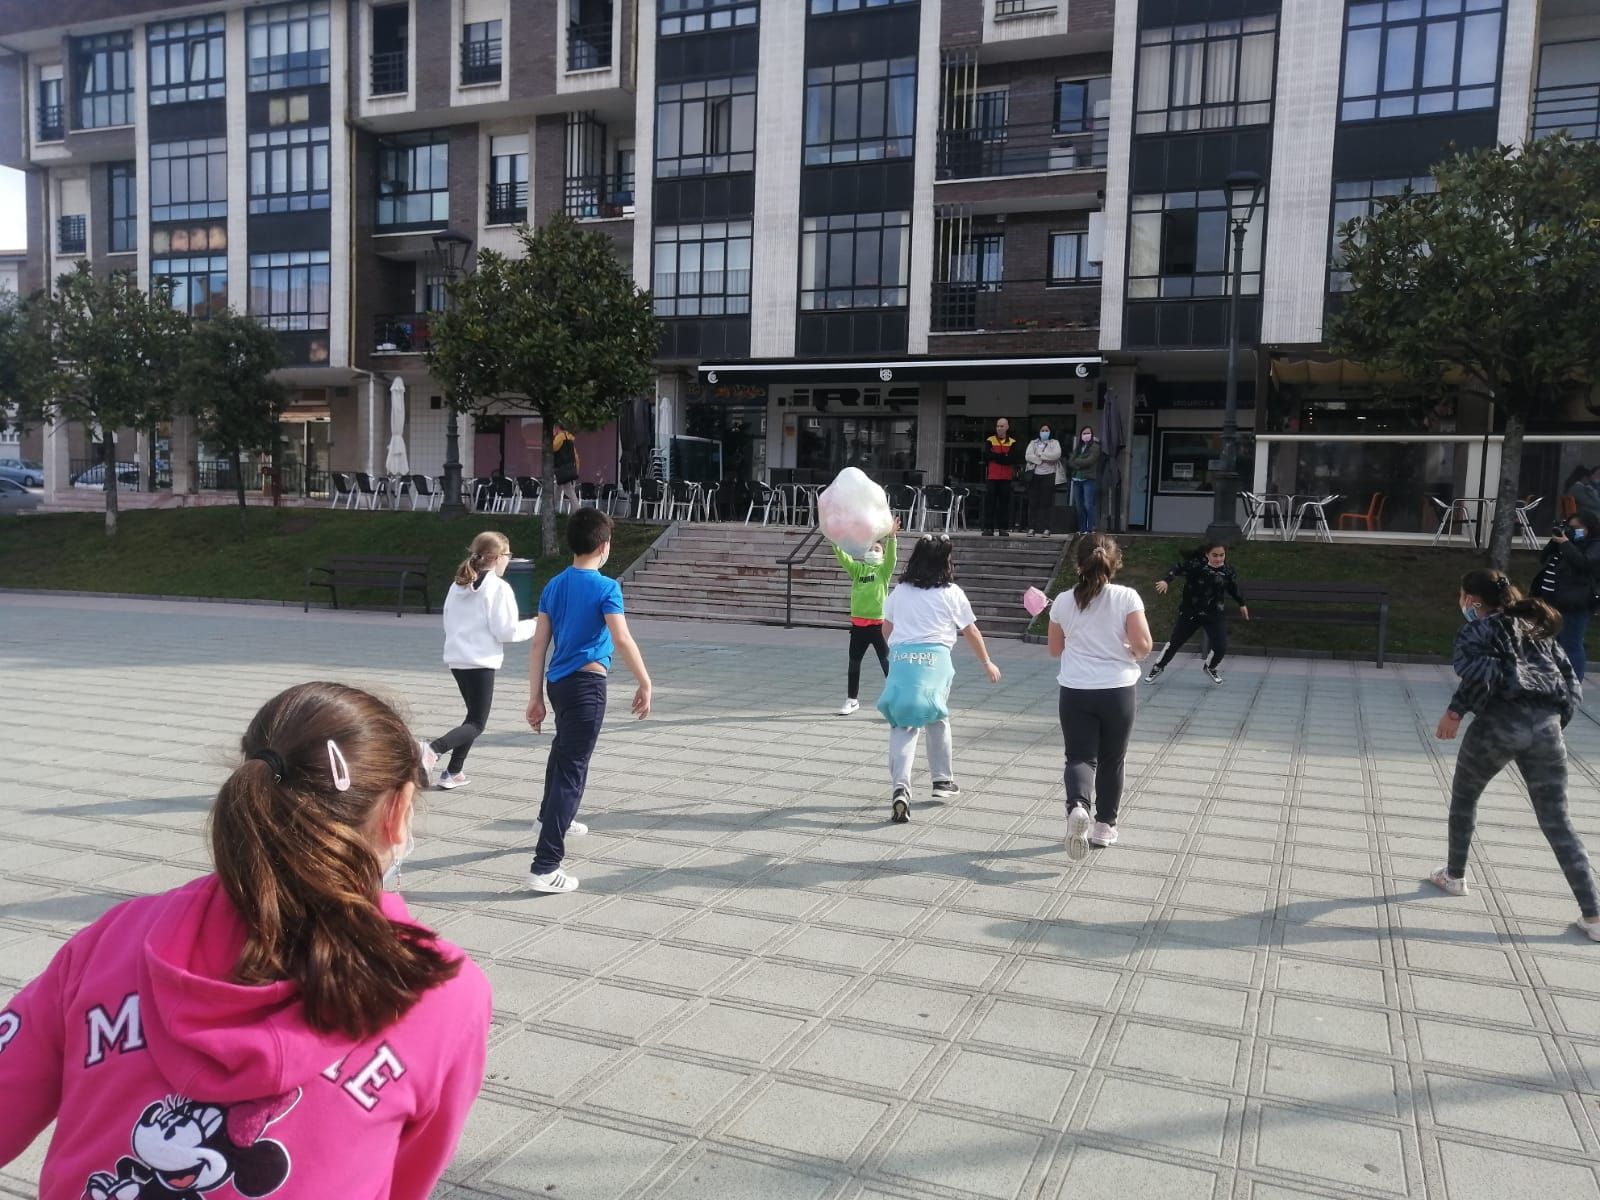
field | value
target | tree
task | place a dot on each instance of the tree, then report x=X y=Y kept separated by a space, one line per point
x=21 y=342
x=1495 y=277
x=561 y=328
x=226 y=383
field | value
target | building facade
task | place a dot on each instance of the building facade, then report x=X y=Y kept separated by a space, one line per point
x=870 y=227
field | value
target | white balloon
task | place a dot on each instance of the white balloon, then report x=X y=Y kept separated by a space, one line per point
x=854 y=512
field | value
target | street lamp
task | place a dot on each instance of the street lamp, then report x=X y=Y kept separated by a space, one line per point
x=1244 y=196
x=450 y=250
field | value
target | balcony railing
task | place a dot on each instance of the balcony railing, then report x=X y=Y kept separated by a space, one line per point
x=589 y=44
x=401 y=333
x=508 y=203
x=1020 y=149
x=72 y=235
x=52 y=123
x=1575 y=109
x=1023 y=8
x=480 y=61
x=599 y=197
x=1013 y=306
x=389 y=73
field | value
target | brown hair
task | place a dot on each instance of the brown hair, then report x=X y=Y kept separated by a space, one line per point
x=1499 y=593
x=296 y=857
x=587 y=530
x=486 y=547
x=1099 y=558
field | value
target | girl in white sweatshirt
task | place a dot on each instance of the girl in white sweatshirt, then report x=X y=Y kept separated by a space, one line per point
x=480 y=615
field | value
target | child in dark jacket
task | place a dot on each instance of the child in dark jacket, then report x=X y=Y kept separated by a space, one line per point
x=1207 y=581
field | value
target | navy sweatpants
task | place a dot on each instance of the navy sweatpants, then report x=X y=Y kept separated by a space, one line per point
x=579 y=704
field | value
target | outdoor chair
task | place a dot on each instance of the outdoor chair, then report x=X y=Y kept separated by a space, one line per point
x=958 y=507
x=1319 y=518
x=652 y=501
x=504 y=493
x=685 y=500
x=343 y=493
x=937 y=506
x=1371 y=520
x=424 y=491
x=1524 y=520
x=903 y=503
x=611 y=498
x=588 y=495
x=365 y=491
x=482 y=493
x=530 y=490
x=764 y=497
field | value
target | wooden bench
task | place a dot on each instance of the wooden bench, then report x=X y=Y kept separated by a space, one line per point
x=1308 y=603
x=371 y=571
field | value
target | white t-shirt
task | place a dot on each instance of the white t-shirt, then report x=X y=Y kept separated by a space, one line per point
x=1096 y=656
x=927 y=615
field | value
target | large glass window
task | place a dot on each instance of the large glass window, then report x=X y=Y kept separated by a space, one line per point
x=1407 y=57
x=287 y=46
x=859 y=112
x=1069 y=260
x=707 y=127
x=123 y=234
x=508 y=179
x=702 y=270
x=289 y=169
x=823 y=7
x=1083 y=115
x=188 y=179
x=698 y=16
x=857 y=260
x=200 y=283
x=1361 y=198
x=480 y=52
x=413 y=180
x=1209 y=75
x=52 y=117
x=1179 y=246
x=186 y=59
x=104 y=80
x=289 y=290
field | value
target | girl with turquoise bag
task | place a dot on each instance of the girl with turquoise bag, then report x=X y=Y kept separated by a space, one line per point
x=921 y=620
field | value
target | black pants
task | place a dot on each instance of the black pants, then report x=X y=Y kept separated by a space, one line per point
x=862 y=637
x=579 y=704
x=1096 y=724
x=997 y=507
x=1216 y=627
x=477 y=689
x=1041 y=499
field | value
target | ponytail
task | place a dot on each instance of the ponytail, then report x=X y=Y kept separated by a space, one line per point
x=1498 y=592
x=1099 y=559
x=486 y=547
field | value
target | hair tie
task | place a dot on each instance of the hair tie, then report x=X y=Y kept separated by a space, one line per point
x=274 y=761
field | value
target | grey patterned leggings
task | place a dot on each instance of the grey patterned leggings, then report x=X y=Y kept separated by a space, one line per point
x=1532 y=738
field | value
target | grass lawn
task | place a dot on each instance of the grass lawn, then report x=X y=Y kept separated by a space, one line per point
x=1423 y=617
x=201 y=551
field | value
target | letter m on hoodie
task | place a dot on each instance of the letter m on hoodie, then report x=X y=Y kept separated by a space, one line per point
x=124 y=1033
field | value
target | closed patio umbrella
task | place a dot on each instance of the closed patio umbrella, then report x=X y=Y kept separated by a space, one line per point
x=397 y=462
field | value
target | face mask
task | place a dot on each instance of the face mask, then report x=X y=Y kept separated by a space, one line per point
x=1044 y=435
x=1469 y=611
x=391 y=876
x=873 y=558
x=1088 y=437
x=1579 y=534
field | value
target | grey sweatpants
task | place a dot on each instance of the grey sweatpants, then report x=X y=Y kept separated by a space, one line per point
x=903 y=750
x=1530 y=737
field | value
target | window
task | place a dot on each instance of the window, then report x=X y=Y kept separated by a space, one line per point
x=124 y=208
x=1206 y=76
x=1362 y=198
x=860 y=112
x=413 y=180
x=1403 y=58
x=289 y=170
x=823 y=7
x=698 y=16
x=391 y=34
x=979 y=262
x=289 y=290
x=186 y=60
x=707 y=127
x=508 y=179
x=72 y=235
x=480 y=52
x=287 y=46
x=52 y=118
x=1083 y=114
x=104 y=80
x=1069 y=261
x=990 y=113
x=702 y=270
x=858 y=260
x=589 y=24
x=188 y=179
x=1179 y=247
x=199 y=284
x=435 y=293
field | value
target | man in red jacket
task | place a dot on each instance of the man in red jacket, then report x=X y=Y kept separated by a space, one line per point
x=1000 y=463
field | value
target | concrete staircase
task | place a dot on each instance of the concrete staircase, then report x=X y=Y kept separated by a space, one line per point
x=733 y=573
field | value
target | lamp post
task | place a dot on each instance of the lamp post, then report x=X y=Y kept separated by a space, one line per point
x=450 y=250
x=1244 y=195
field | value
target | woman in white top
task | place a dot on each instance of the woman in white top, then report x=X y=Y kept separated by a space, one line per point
x=1099 y=632
x=480 y=615
x=921 y=619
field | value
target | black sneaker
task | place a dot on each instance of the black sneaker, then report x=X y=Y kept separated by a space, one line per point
x=900 y=806
x=1155 y=674
x=946 y=789
x=1005 y=533
x=988 y=533
x=1212 y=671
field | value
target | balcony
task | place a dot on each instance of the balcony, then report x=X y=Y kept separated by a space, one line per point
x=389 y=73
x=52 y=123
x=480 y=62
x=1020 y=149
x=1014 y=306
x=72 y=235
x=401 y=333
x=1022 y=8
x=1575 y=108
x=599 y=197
x=508 y=203
x=589 y=44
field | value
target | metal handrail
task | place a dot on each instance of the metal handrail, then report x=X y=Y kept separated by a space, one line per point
x=799 y=556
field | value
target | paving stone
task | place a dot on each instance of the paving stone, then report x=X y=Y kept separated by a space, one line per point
x=1477 y=1172
x=1197 y=1002
x=1004 y=1085
x=578 y=1159
x=790 y=986
x=808 y=1120
x=1331 y=980
x=855 y=1056
x=734 y=1032
x=617 y=1011
x=1180 y=1053
x=1096 y=1174
x=1331 y=1149
x=981 y=1159
x=1491 y=1051
x=1337 y=1081
x=1502 y=1110
x=1162 y=1115
x=721 y=1176
x=920 y=1009
x=1035 y=1028
x=666 y=1089
x=1331 y=1024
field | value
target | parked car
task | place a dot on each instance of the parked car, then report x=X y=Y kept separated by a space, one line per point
x=14 y=498
x=20 y=470
x=95 y=477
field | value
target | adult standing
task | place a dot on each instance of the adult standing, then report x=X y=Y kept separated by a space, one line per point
x=1044 y=473
x=1566 y=581
x=1000 y=462
x=565 y=446
x=1084 y=463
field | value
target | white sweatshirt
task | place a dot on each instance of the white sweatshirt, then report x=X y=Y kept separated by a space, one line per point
x=478 y=621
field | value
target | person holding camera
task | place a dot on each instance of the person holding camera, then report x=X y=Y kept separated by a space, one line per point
x=1566 y=581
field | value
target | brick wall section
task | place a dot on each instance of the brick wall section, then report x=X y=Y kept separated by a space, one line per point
x=1033 y=83
x=100 y=220
x=1091 y=16
x=530 y=52
x=21 y=16
x=14 y=110
x=1057 y=187
x=436 y=49
x=961 y=22
x=549 y=168
x=33 y=270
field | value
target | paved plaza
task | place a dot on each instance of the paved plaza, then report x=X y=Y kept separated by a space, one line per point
x=765 y=991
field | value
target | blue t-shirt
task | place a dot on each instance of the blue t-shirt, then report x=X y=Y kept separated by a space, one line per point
x=577 y=603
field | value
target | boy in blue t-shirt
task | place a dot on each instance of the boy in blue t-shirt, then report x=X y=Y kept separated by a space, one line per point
x=580 y=623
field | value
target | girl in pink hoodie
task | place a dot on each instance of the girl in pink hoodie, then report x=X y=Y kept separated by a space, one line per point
x=281 y=1028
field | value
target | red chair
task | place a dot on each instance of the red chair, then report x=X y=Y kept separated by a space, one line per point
x=1371 y=520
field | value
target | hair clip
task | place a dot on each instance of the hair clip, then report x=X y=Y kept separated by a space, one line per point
x=337 y=767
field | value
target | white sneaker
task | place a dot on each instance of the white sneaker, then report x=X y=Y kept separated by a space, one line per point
x=448 y=782
x=430 y=756
x=576 y=829
x=556 y=881
x=1589 y=929
x=848 y=707
x=1077 y=838
x=1451 y=886
x=1103 y=835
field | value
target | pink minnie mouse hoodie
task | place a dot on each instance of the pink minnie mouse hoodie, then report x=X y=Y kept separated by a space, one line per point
x=167 y=1081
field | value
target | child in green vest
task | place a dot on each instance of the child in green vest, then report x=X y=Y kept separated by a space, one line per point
x=870 y=577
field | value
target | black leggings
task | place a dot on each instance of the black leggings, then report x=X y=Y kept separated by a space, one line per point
x=1096 y=724
x=861 y=637
x=1216 y=627
x=477 y=689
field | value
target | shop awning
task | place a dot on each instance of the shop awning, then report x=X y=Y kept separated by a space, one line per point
x=1336 y=372
x=899 y=370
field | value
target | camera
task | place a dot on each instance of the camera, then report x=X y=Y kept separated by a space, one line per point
x=1560 y=529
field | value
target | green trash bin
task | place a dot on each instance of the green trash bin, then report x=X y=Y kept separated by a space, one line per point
x=519 y=574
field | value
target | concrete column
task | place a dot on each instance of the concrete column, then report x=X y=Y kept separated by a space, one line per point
x=670 y=417
x=369 y=402
x=930 y=430
x=141 y=456
x=775 y=251
x=57 y=458
x=184 y=472
x=1518 y=71
x=1122 y=389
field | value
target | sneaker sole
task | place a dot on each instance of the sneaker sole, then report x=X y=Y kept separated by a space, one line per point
x=452 y=785
x=546 y=890
x=951 y=795
x=899 y=812
x=1077 y=839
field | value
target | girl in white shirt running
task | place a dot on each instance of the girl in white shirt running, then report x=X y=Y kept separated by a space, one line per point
x=480 y=615
x=921 y=619
x=1099 y=632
